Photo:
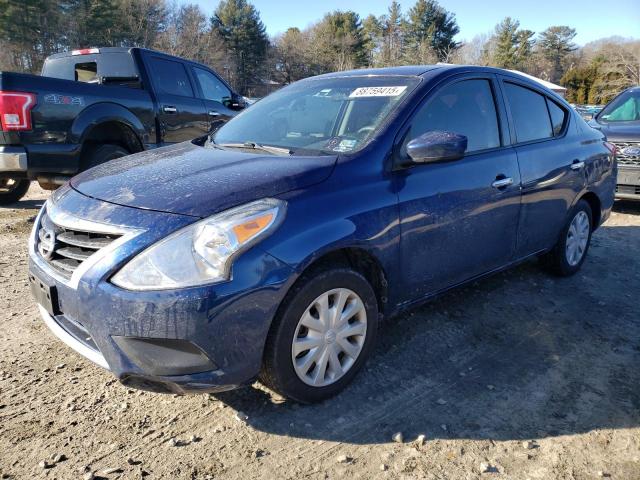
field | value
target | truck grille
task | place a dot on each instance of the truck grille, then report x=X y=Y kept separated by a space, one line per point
x=628 y=158
x=65 y=249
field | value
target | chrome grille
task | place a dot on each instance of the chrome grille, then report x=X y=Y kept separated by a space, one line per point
x=65 y=249
x=625 y=158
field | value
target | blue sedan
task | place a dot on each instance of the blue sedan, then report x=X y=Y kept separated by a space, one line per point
x=274 y=248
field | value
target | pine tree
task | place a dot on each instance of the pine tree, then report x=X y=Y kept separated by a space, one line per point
x=430 y=30
x=513 y=47
x=238 y=24
x=555 y=44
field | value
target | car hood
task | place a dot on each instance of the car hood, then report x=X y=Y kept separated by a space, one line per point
x=619 y=132
x=191 y=180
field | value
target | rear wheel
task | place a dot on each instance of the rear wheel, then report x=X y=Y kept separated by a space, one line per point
x=569 y=254
x=12 y=189
x=99 y=154
x=322 y=336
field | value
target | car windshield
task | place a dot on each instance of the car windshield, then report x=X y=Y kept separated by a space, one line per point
x=317 y=116
x=625 y=108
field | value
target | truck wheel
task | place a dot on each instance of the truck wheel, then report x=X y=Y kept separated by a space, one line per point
x=569 y=254
x=12 y=189
x=99 y=154
x=322 y=335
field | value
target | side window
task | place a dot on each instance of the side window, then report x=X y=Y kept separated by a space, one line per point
x=466 y=107
x=529 y=112
x=558 y=117
x=171 y=77
x=212 y=87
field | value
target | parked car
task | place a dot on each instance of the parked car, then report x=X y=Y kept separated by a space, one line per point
x=276 y=247
x=620 y=122
x=93 y=105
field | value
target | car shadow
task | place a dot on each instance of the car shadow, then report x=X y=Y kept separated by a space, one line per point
x=627 y=206
x=519 y=355
x=26 y=204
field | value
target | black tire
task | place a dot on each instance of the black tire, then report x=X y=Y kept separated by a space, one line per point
x=278 y=372
x=98 y=154
x=556 y=260
x=13 y=192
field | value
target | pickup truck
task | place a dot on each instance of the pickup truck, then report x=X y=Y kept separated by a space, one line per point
x=92 y=105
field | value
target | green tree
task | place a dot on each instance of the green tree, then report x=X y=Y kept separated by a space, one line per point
x=512 y=46
x=92 y=23
x=430 y=29
x=555 y=45
x=392 y=36
x=338 y=41
x=32 y=30
x=238 y=24
x=372 y=35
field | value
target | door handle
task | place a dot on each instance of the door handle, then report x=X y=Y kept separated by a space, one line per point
x=502 y=182
x=213 y=113
x=577 y=165
x=169 y=109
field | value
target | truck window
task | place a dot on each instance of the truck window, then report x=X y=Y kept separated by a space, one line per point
x=86 y=72
x=212 y=87
x=170 y=77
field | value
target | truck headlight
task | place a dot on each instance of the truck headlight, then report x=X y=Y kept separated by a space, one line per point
x=201 y=253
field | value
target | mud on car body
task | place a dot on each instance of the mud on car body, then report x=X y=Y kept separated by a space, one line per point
x=275 y=248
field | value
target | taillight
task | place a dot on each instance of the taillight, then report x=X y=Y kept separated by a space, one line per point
x=612 y=148
x=15 y=110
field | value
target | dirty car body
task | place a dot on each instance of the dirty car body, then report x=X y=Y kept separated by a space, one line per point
x=347 y=192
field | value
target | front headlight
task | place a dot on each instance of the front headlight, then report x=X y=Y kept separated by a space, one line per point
x=203 y=252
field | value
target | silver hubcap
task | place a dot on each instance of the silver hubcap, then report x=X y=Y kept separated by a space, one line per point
x=329 y=337
x=577 y=238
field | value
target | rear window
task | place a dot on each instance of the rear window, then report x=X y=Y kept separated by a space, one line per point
x=171 y=77
x=529 y=112
x=91 y=68
x=558 y=117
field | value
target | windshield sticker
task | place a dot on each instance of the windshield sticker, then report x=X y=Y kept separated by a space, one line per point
x=377 y=92
x=345 y=145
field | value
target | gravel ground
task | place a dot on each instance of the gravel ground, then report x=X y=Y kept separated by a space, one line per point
x=519 y=376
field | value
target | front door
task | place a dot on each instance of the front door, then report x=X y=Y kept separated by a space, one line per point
x=217 y=98
x=459 y=219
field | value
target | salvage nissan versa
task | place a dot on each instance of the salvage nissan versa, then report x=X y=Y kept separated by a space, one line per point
x=274 y=248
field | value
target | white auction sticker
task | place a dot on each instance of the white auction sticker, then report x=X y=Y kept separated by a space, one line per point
x=377 y=92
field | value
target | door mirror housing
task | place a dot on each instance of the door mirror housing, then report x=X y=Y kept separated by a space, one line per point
x=437 y=146
x=237 y=102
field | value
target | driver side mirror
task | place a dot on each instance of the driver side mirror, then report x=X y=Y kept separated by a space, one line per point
x=437 y=146
x=237 y=102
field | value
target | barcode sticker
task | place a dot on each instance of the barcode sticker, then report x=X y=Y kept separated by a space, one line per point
x=377 y=92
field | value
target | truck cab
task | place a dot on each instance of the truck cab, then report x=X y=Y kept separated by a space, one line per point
x=93 y=105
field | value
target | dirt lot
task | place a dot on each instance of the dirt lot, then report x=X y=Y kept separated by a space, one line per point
x=523 y=375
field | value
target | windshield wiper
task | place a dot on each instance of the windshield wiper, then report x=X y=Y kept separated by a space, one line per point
x=257 y=146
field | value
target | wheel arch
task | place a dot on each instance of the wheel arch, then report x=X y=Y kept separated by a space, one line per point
x=107 y=123
x=596 y=207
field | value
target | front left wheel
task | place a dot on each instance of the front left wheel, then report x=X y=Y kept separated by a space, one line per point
x=322 y=335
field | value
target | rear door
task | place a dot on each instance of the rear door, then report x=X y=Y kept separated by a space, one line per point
x=459 y=219
x=181 y=114
x=216 y=95
x=552 y=175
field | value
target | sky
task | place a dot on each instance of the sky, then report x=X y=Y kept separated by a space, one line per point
x=592 y=19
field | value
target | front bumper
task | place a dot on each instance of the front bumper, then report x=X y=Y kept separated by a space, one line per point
x=628 y=183
x=13 y=159
x=228 y=322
